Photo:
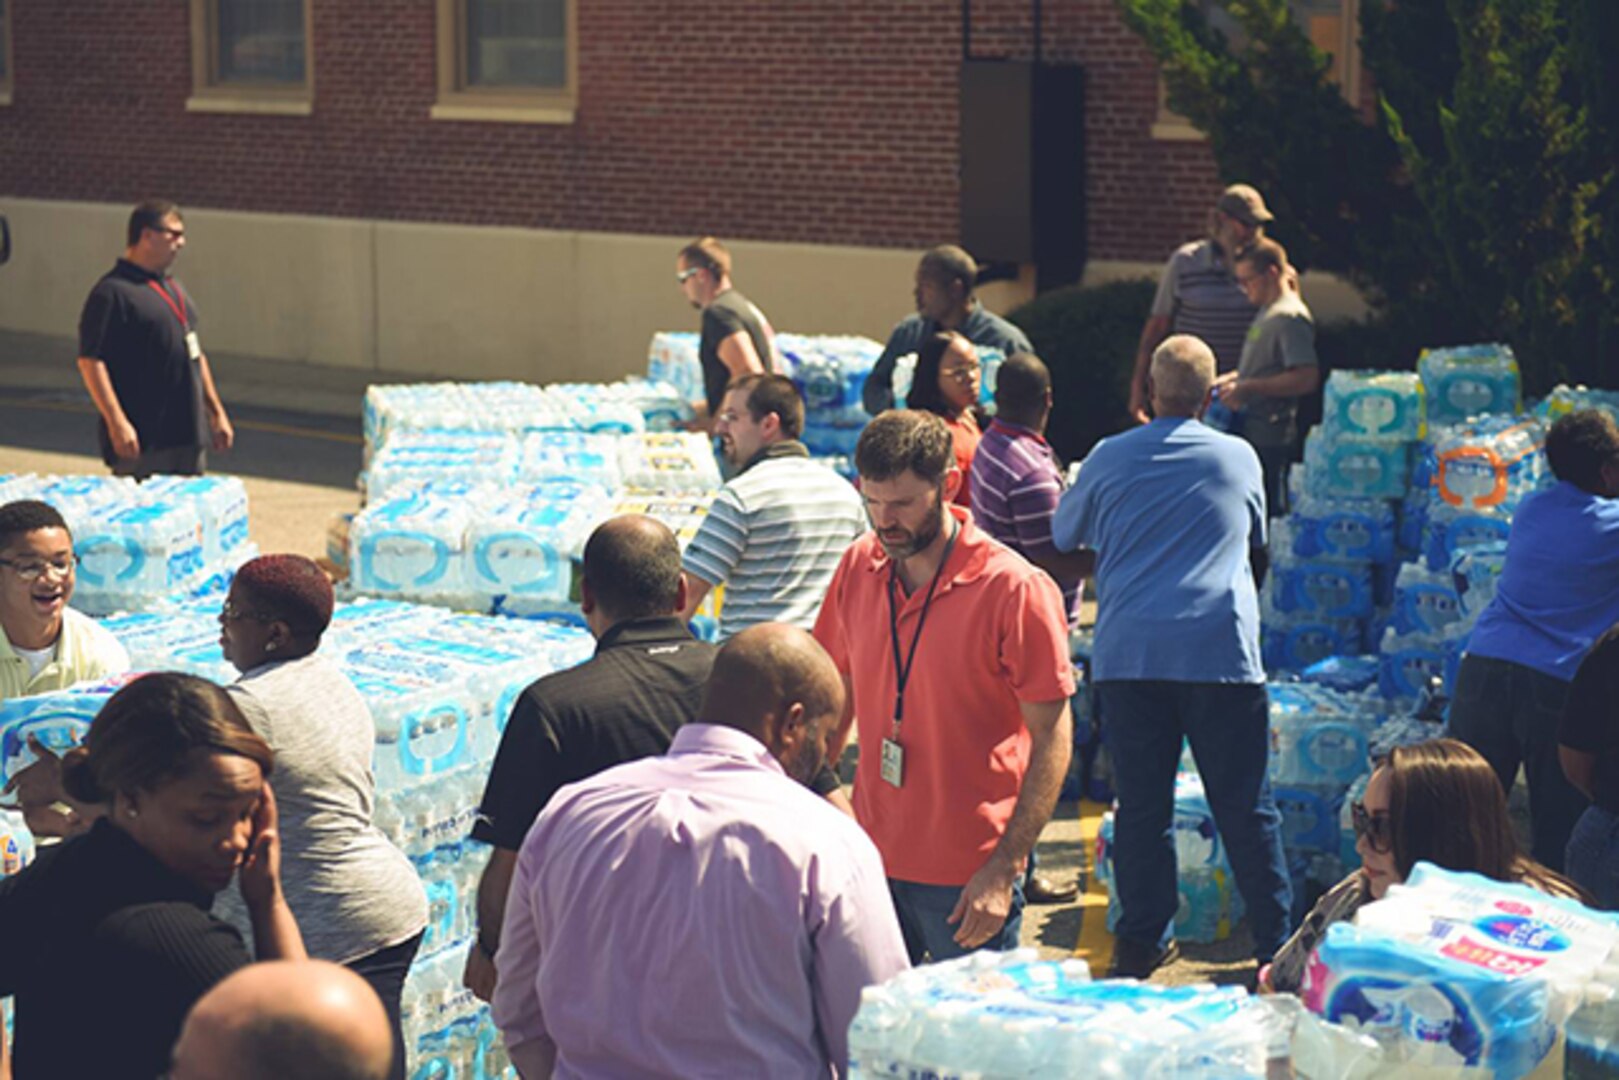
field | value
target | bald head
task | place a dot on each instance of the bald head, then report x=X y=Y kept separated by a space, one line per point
x=776 y=683
x=279 y=1018
x=1182 y=372
x=632 y=568
x=1023 y=390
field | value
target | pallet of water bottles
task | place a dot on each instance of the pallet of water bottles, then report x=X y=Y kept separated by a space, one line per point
x=140 y=544
x=440 y=687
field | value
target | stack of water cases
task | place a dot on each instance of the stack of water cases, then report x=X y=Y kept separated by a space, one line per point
x=440 y=688
x=480 y=496
x=831 y=373
x=139 y=545
x=1008 y=1016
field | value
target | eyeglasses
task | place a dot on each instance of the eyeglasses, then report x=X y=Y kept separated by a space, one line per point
x=174 y=234
x=963 y=374
x=682 y=275
x=231 y=613
x=1376 y=828
x=34 y=569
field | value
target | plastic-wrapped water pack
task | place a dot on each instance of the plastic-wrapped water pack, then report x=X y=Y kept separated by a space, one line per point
x=1491 y=461
x=1425 y=601
x=1354 y=468
x=1456 y=969
x=1008 y=1016
x=673 y=358
x=1318 y=735
x=1565 y=399
x=669 y=461
x=412 y=545
x=682 y=512
x=1469 y=380
x=412 y=458
x=525 y=543
x=1375 y=405
x=1352 y=530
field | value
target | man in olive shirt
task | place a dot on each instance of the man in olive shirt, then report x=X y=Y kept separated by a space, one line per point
x=141 y=359
x=737 y=339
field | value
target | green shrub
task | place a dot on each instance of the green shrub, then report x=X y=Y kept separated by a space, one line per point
x=1087 y=336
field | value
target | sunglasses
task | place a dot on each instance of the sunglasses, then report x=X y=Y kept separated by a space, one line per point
x=682 y=275
x=1376 y=828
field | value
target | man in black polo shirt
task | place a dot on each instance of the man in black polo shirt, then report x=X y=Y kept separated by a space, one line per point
x=946 y=279
x=645 y=681
x=141 y=359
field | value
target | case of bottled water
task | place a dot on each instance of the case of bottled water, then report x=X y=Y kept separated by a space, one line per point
x=1425 y=601
x=598 y=408
x=1329 y=590
x=58 y=720
x=1476 y=572
x=525 y=545
x=1386 y=405
x=1352 y=530
x=412 y=458
x=1354 y=468
x=673 y=358
x=669 y=461
x=448 y=1032
x=1290 y=642
x=132 y=555
x=1451 y=532
x=221 y=506
x=571 y=456
x=1008 y=1016
x=1565 y=399
x=1492 y=461
x=1408 y=661
x=469 y=406
x=1454 y=969
x=1348 y=674
x=1469 y=380
x=413 y=545
x=830 y=372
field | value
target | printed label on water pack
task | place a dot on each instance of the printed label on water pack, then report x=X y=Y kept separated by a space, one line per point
x=1523 y=932
x=1470 y=950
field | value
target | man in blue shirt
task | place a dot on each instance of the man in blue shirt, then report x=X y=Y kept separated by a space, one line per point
x=1174 y=513
x=1559 y=591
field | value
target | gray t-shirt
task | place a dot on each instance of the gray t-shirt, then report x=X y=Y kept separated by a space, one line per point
x=1282 y=337
x=351 y=890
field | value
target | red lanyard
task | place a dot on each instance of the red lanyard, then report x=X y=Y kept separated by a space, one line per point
x=178 y=309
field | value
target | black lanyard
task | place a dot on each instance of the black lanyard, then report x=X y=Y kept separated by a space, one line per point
x=902 y=672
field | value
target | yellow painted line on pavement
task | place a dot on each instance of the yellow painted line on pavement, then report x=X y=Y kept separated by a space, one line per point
x=267 y=426
x=1095 y=944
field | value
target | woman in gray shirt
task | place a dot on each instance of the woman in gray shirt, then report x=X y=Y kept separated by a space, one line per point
x=356 y=896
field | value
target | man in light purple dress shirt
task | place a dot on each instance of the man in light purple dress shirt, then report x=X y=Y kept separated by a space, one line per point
x=704 y=913
x=1015 y=481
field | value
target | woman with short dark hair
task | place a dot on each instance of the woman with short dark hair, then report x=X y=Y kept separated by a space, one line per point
x=110 y=940
x=1436 y=802
x=358 y=898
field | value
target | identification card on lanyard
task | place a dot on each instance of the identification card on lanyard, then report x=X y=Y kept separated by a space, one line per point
x=193 y=343
x=893 y=754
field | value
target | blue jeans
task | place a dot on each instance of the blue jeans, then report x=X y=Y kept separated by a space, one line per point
x=1228 y=726
x=923 y=909
x=1509 y=713
x=1593 y=856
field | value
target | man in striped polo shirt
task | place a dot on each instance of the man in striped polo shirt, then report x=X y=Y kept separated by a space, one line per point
x=776 y=532
x=1198 y=293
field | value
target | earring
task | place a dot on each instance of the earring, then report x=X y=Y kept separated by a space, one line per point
x=133 y=812
x=269 y=646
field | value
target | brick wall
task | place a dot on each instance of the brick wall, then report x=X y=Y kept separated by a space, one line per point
x=824 y=121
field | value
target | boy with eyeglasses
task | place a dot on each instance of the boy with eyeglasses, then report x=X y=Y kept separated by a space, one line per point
x=44 y=644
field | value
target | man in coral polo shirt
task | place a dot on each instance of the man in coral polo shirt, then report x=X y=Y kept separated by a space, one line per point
x=954 y=652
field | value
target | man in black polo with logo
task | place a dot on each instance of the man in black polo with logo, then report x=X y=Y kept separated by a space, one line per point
x=645 y=681
x=142 y=361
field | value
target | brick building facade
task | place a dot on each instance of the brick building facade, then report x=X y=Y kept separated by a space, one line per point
x=811 y=121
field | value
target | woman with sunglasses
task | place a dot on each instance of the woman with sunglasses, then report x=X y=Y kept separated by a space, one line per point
x=1436 y=802
x=947 y=381
x=357 y=897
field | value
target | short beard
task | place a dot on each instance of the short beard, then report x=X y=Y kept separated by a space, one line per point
x=922 y=538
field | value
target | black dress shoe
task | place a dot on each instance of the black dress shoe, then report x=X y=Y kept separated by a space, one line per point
x=1039 y=889
x=1133 y=960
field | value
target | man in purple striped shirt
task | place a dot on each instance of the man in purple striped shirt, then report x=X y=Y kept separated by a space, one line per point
x=703 y=913
x=1015 y=481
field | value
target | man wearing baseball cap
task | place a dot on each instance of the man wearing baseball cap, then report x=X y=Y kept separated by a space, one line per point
x=1198 y=292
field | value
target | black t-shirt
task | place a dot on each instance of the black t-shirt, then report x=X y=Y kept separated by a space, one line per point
x=1591 y=718
x=730 y=312
x=645 y=681
x=106 y=952
x=130 y=326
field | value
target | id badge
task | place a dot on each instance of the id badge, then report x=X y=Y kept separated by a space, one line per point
x=193 y=346
x=893 y=767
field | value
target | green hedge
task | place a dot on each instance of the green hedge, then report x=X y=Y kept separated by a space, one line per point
x=1087 y=336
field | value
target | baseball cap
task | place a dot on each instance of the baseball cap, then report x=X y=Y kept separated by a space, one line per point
x=1243 y=203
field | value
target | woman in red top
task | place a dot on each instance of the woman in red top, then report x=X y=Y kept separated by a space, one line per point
x=947 y=381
